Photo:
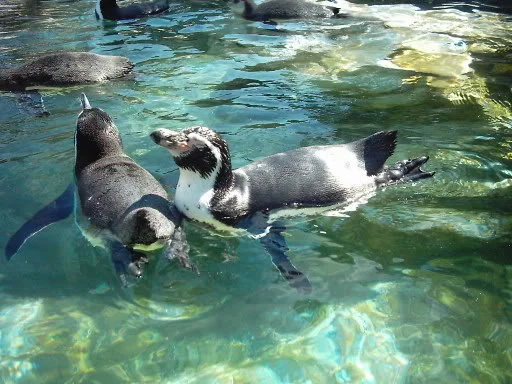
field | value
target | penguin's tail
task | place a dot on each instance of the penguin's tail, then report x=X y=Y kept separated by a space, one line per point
x=403 y=171
x=374 y=150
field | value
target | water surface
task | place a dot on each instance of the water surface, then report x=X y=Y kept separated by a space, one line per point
x=412 y=287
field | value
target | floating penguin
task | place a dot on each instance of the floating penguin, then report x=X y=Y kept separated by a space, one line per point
x=321 y=177
x=122 y=204
x=61 y=69
x=288 y=9
x=65 y=68
x=109 y=10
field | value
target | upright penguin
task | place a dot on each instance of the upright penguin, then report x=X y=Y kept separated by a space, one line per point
x=109 y=10
x=122 y=203
x=321 y=177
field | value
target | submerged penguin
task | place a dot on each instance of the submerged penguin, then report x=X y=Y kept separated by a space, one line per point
x=321 y=177
x=109 y=10
x=122 y=204
x=288 y=9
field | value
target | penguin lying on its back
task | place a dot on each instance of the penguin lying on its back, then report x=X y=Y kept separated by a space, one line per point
x=318 y=176
x=121 y=201
x=109 y=10
x=288 y=9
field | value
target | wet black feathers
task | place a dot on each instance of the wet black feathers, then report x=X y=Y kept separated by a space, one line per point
x=375 y=150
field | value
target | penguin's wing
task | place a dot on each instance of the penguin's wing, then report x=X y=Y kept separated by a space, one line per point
x=275 y=245
x=57 y=210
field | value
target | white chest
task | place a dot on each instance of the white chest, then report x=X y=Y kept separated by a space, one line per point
x=194 y=195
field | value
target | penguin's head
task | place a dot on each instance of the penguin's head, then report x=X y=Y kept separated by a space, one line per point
x=96 y=136
x=197 y=149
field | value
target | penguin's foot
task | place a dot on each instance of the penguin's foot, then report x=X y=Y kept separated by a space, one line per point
x=295 y=278
x=178 y=248
x=136 y=267
x=127 y=262
x=403 y=171
x=184 y=262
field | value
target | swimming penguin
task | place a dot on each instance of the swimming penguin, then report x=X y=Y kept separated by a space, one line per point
x=322 y=177
x=288 y=9
x=60 y=69
x=65 y=68
x=122 y=204
x=109 y=10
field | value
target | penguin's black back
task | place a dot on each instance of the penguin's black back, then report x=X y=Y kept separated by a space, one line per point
x=113 y=185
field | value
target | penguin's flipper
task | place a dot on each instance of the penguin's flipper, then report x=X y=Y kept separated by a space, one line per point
x=31 y=102
x=126 y=262
x=403 y=171
x=177 y=248
x=57 y=210
x=275 y=245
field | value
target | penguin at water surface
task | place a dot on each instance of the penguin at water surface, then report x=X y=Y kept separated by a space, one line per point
x=65 y=68
x=110 y=10
x=315 y=178
x=289 y=9
x=60 y=69
x=123 y=207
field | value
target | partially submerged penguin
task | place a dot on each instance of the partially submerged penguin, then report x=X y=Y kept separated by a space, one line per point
x=60 y=69
x=65 y=68
x=322 y=177
x=109 y=10
x=123 y=205
x=288 y=9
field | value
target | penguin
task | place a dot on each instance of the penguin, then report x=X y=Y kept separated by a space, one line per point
x=288 y=9
x=109 y=10
x=60 y=69
x=65 y=68
x=122 y=206
x=309 y=178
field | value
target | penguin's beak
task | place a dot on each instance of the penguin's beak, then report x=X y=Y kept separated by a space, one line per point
x=175 y=142
x=85 y=102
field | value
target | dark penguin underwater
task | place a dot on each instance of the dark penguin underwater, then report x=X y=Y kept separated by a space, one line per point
x=411 y=285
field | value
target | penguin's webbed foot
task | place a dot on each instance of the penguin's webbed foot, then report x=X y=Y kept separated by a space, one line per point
x=127 y=262
x=178 y=248
x=295 y=278
x=403 y=171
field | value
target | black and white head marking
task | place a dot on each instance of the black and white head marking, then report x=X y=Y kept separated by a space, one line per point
x=198 y=149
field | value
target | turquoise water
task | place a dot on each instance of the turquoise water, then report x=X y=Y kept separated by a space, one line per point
x=413 y=287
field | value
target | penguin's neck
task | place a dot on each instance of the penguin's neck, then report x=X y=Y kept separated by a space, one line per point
x=85 y=158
